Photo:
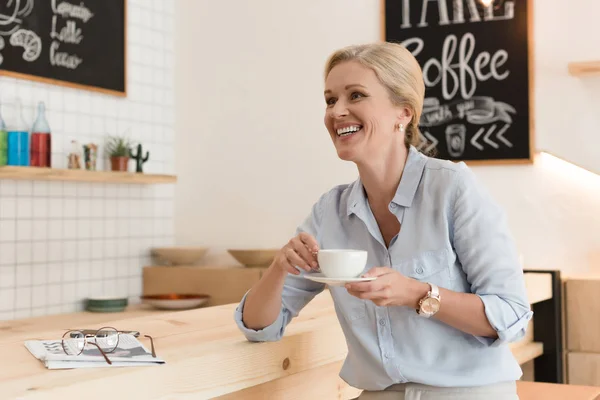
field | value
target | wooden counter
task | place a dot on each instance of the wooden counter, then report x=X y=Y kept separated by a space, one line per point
x=23 y=328
x=206 y=356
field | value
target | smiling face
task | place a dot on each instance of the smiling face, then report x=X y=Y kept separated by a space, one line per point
x=360 y=117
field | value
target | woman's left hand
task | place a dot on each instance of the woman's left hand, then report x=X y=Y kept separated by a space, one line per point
x=391 y=288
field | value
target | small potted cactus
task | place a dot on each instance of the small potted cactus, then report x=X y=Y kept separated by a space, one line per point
x=139 y=158
x=118 y=150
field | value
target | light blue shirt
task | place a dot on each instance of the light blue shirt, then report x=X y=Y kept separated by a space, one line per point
x=452 y=234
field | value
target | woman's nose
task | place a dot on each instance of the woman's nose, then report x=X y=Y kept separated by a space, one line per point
x=339 y=110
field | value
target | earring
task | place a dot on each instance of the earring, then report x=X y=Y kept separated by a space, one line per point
x=401 y=127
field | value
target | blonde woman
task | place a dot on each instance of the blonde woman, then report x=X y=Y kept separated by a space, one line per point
x=449 y=293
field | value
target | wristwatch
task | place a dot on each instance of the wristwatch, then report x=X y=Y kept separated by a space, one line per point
x=430 y=304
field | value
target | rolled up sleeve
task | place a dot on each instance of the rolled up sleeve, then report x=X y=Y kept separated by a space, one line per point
x=509 y=322
x=488 y=256
x=269 y=333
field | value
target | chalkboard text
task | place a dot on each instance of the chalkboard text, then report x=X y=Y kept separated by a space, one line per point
x=475 y=64
x=459 y=12
x=459 y=74
x=69 y=33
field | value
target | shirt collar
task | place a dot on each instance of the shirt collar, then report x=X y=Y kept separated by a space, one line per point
x=357 y=197
x=411 y=176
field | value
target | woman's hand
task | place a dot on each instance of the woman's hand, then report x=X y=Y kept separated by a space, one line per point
x=463 y=311
x=300 y=251
x=391 y=288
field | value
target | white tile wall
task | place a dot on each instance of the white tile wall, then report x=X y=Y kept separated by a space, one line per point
x=63 y=242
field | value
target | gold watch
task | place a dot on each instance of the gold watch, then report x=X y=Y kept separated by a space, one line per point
x=430 y=304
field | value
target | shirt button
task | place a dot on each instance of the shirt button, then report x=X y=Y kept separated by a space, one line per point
x=388 y=355
x=393 y=205
x=419 y=270
x=382 y=322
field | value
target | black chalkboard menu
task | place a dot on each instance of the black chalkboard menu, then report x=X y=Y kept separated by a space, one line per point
x=476 y=65
x=78 y=43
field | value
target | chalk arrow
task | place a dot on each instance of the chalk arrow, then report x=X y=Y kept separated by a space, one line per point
x=502 y=138
x=433 y=141
x=422 y=143
x=474 y=139
x=487 y=139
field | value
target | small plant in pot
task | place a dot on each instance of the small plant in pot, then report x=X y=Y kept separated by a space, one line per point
x=117 y=149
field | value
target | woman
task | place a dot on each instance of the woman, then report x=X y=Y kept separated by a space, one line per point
x=449 y=292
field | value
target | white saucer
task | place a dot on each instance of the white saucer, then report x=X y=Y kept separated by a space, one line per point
x=319 y=277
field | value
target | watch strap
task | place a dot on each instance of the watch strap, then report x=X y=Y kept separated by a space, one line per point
x=434 y=292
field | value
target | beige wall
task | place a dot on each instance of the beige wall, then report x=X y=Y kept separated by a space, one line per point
x=253 y=154
x=567 y=107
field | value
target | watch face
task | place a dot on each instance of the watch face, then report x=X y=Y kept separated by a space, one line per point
x=430 y=305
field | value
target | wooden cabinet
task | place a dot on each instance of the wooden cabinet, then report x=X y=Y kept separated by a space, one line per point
x=582 y=311
x=583 y=314
x=583 y=368
x=223 y=284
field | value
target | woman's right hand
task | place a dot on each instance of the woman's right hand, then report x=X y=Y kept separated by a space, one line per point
x=300 y=251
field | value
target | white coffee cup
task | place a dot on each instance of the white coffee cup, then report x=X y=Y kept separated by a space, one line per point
x=342 y=263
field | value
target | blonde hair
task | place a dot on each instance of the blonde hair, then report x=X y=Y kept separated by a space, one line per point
x=397 y=70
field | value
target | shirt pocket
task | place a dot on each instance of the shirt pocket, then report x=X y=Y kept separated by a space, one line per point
x=435 y=266
x=351 y=308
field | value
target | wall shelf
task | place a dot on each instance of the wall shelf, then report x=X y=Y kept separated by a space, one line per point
x=77 y=175
x=584 y=68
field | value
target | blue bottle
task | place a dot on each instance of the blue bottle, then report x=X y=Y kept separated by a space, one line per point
x=3 y=143
x=18 y=141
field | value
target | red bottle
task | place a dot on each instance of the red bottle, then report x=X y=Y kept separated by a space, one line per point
x=41 y=141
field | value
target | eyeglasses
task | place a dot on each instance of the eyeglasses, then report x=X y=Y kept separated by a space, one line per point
x=106 y=339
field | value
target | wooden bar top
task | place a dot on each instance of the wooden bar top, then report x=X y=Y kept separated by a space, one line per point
x=206 y=357
x=23 y=328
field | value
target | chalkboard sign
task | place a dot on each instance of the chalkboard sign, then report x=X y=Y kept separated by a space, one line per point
x=78 y=43
x=477 y=69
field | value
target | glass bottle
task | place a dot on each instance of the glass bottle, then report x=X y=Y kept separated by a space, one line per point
x=18 y=140
x=41 y=139
x=3 y=142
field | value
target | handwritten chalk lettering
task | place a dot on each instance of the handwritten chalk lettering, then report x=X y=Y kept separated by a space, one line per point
x=458 y=12
x=438 y=116
x=464 y=107
x=70 y=10
x=509 y=12
x=68 y=33
x=62 y=59
x=405 y=15
x=479 y=110
x=459 y=75
x=443 y=12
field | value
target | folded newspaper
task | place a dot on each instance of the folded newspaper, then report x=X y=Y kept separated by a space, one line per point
x=129 y=353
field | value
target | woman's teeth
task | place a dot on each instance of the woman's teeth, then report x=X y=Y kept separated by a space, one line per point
x=349 y=130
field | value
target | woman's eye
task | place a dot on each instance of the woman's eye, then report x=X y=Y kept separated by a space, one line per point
x=330 y=101
x=356 y=95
